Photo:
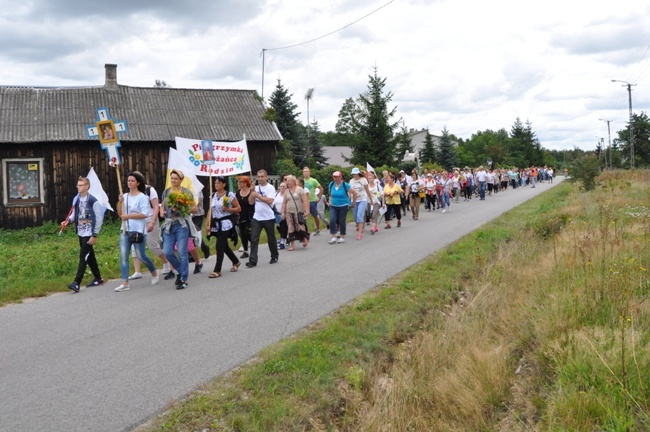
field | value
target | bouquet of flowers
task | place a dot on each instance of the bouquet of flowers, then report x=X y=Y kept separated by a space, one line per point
x=180 y=202
x=226 y=201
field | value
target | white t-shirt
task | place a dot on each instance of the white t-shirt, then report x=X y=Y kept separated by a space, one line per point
x=137 y=204
x=415 y=186
x=263 y=211
x=360 y=188
x=481 y=176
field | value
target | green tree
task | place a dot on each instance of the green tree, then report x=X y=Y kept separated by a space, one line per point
x=286 y=118
x=375 y=144
x=447 y=152
x=428 y=154
x=404 y=144
x=525 y=149
x=347 y=133
x=641 y=125
x=315 y=155
x=585 y=170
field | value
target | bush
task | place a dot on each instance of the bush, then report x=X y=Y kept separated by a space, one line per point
x=586 y=170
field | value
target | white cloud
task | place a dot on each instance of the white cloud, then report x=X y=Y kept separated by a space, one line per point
x=468 y=65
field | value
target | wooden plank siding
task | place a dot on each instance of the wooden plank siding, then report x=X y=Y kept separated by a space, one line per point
x=65 y=162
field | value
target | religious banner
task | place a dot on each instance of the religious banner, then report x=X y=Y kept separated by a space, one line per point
x=228 y=158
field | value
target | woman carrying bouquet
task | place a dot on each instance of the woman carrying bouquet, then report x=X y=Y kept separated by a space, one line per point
x=178 y=203
x=222 y=206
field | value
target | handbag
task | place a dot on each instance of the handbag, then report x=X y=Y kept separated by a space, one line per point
x=135 y=237
x=301 y=215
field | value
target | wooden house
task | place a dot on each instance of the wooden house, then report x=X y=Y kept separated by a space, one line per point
x=44 y=145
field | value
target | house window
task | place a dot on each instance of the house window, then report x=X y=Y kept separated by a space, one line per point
x=23 y=181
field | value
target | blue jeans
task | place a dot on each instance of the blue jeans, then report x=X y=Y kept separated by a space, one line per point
x=337 y=217
x=125 y=249
x=178 y=234
x=359 y=211
x=445 y=200
x=481 y=189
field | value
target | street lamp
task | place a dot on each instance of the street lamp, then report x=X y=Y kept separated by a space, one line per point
x=308 y=97
x=609 y=139
x=629 y=91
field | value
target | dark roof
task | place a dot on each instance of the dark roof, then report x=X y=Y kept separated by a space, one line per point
x=31 y=114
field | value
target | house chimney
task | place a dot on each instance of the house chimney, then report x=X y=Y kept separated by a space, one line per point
x=111 y=77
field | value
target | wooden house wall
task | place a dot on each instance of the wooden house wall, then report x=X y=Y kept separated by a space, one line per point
x=65 y=162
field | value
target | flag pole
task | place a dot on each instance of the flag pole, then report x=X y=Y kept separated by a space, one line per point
x=208 y=219
x=119 y=187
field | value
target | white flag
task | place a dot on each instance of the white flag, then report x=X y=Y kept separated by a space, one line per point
x=97 y=191
x=176 y=161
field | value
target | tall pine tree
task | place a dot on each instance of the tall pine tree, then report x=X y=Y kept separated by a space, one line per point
x=376 y=144
x=286 y=118
x=428 y=154
x=447 y=153
x=315 y=155
x=404 y=143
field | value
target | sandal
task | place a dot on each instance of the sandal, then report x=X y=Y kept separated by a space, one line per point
x=291 y=249
x=214 y=275
x=235 y=267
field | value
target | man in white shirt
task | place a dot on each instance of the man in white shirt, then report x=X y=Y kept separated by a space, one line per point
x=481 y=178
x=262 y=196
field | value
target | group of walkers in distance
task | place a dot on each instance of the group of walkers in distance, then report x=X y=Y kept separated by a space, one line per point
x=172 y=226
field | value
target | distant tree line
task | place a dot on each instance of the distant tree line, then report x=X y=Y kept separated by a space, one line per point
x=368 y=125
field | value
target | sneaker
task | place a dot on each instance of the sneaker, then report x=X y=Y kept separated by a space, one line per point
x=341 y=240
x=74 y=286
x=273 y=261
x=244 y=255
x=181 y=285
x=250 y=264
x=197 y=268
x=241 y=249
x=359 y=237
x=166 y=268
x=170 y=275
x=444 y=210
x=332 y=241
x=280 y=246
x=95 y=282
x=136 y=275
x=155 y=279
x=122 y=287
x=317 y=232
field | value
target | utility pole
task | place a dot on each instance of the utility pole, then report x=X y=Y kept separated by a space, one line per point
x=609 y=140
x=629 y=91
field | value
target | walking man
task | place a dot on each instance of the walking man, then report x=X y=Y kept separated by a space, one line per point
x=262 y=196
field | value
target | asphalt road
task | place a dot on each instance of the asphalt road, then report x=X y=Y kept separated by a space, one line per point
x=106 y=361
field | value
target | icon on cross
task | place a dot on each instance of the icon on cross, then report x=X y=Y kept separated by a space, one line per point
x=106 y=130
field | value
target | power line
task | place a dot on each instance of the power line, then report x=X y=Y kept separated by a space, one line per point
x=330 y=33
x=264 y=50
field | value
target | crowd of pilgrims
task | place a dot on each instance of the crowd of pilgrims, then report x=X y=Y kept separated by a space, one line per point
x=240 y=216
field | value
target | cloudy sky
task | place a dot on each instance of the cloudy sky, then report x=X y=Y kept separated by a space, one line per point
x=465 y=65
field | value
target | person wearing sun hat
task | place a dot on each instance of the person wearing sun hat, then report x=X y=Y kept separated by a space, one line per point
x=363 y=196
